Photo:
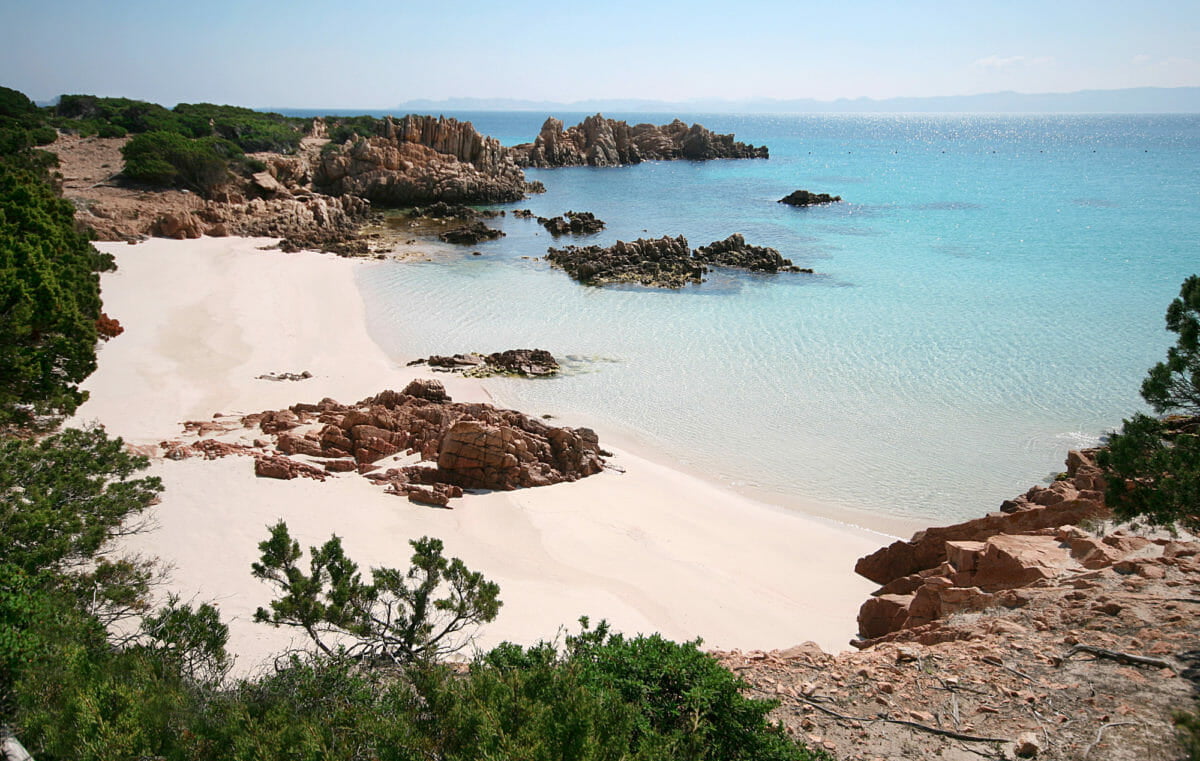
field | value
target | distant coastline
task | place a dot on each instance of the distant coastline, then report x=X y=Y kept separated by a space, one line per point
x=1124 y=101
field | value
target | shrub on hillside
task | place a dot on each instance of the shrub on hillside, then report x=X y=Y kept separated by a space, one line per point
x=170 y=159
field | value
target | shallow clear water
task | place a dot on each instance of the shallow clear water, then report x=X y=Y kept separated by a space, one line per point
x=989 y=295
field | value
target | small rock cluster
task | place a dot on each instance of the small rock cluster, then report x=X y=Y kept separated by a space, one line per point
x=664 y=262
x=735 y=252
x=472 y=446
x=572 y=223
x=806 y=198
x=470 y=234
x=526 y=363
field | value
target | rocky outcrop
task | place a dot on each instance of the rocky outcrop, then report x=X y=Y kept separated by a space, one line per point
x=663 y=262
x=421 y=159
x=471 y=446
x=601 y=142
x=572 y=223
x=1079 y=496
x=528 y=363
x=805 y=198
x=735 y=252
x=976 y=564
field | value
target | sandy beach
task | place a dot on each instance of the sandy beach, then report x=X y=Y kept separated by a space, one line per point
x=649 y=548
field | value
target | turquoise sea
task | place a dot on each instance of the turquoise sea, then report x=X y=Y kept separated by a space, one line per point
x=989 y=295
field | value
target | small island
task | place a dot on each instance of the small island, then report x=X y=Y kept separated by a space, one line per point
x=664 y=262
x=806 y=198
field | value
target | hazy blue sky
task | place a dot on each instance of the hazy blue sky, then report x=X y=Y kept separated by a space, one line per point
x=361 y=53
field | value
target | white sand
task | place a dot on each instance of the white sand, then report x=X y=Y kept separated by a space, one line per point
x=650 y=549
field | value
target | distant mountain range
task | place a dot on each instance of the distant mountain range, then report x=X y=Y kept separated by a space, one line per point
x=1131 y=100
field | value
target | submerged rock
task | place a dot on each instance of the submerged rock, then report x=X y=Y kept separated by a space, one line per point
x=475 y=232
x=664 y=262
x=530 y=363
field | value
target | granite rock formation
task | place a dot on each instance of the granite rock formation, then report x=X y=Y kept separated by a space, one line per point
x=420 y=159
x=976 y=564
x=471 y=446
x=601 y=142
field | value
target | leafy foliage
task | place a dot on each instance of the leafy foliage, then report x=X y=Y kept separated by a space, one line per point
x=1154 y=464
x=343 y=128
x=1187 y=729
x=1154 y=472
x=399 y=616
x=250 y=130
x=49 y=289
x=62 y=499
x=1174 y=385
x=168 y=158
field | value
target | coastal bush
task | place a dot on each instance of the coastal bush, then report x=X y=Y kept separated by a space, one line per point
x=250 y=130
x=170 y=159
x=1174 y=384
x=49 y=297
x=399 y=617
x=342 y=128
x=130 y=115
x=1154 y=472
x=1154 y=464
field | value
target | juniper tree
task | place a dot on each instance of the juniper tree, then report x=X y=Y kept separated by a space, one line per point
x=399 y=616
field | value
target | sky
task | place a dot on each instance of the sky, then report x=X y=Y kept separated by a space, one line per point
x=366 y=54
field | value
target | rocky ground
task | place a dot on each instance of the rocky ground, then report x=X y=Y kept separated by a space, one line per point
x=320 y=197
x=1037 y=632
x=260 y=206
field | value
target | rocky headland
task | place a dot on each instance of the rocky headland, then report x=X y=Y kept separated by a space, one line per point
x=319 y=197
x=1038 y=631
x=664 y=262
x=471 y=446
x=420 y=159
x=601 y=142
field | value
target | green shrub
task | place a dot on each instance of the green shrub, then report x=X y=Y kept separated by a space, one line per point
x=1187 y=729
x=1154 y=465
x=342 y=128
x=50 y=292
x=111 y=130
x=170 y=159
